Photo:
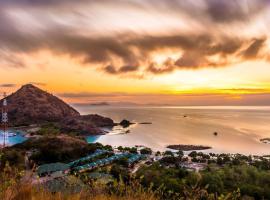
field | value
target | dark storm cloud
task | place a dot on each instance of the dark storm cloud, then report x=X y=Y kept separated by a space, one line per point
x=133 y=51
x=128 y=68
x=221 y=11
x=110 y=69
x=191 y=60
x=167 y=67
x=7 y=59
x=225 y=11
x=94 y=49
x=254 y=49
x=197 y=50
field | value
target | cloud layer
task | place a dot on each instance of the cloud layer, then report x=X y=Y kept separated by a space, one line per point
x=208 y=36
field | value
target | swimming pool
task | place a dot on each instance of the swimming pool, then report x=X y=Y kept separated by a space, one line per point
x=18 y=138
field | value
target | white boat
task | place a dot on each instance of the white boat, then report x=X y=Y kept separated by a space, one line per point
x=9 y=134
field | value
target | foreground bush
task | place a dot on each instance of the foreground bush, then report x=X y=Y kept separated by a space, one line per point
x=16 y=186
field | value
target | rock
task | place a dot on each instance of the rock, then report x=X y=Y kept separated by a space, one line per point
x=183 y=147
x=125 y=123
x=30 y=105
x=86 y=124
x=98 y=120
x=146 y=123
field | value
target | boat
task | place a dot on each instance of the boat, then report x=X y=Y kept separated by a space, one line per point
x=9 y=134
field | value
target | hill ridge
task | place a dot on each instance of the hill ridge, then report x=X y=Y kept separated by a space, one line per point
x=30 y=104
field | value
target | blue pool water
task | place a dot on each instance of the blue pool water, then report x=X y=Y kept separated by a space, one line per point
x=92 y=139
x=13 y=140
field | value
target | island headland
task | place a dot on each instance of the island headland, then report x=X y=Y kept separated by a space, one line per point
x=31 y=105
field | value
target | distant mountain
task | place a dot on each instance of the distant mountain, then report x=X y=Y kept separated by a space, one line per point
x=31 y=105
x=99 y=104
x=108 y=104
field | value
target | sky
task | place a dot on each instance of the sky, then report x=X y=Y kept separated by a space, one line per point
x=169 y=52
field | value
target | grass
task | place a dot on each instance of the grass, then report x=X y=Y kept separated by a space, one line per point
x=14 y=189
x=15 y=186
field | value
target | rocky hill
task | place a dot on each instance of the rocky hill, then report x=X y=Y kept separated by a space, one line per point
x=86 y=124
x=31 y=105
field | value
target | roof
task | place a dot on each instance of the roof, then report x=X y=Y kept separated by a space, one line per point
x=52 y=167
x=135 y=158
x=102 y=162
x=89 y=157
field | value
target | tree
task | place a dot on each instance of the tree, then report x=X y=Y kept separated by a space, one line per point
x=180 y=153
x=219 y=160
x=214 y=182
x=120 y=148
x=108 y=148
x=123 y=162
x=133 y=150
x=193 y=154
x=168 y=153
x=119 y=172
x=168 y=160
x=146 y=151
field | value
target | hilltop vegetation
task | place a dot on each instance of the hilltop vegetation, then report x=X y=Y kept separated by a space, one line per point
x=224 y=177
x=13 y=189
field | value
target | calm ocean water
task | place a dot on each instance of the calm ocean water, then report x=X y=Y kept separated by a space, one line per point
x=239 y=128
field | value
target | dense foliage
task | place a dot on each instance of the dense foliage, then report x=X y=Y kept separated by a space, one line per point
x=225 y=176
x=251 y=181
x=49 y=129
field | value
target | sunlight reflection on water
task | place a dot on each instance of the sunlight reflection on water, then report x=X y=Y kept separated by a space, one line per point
x=239 y=128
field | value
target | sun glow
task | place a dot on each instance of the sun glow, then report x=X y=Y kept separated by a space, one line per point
x=137 y=48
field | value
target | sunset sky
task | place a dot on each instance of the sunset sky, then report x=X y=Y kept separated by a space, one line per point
x=179 y=52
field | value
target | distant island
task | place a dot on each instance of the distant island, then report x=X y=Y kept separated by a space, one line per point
x=99 y=104
x=182 y=147
x=265 y=140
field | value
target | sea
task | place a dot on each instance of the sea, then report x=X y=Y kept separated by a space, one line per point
x=239 y=129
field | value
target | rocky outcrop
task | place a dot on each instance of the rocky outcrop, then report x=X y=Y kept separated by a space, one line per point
x=86 y=124
x=183 y=147
x=31 y=105
x=125 y=123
